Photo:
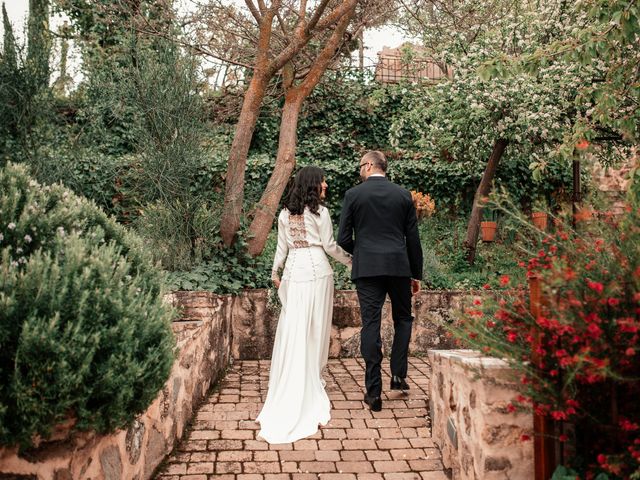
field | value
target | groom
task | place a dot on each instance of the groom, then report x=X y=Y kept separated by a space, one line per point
x=387 y=259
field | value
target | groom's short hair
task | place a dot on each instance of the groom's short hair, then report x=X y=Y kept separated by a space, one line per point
x=377 y=159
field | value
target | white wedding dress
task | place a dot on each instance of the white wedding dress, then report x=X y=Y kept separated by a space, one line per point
x=296 y=401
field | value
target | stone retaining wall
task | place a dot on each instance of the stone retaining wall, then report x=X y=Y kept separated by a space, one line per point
x=204 y=353
x=254 y=324
x=478 y=436
x=212 y=330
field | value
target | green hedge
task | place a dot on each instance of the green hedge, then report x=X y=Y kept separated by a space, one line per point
x=83 y=329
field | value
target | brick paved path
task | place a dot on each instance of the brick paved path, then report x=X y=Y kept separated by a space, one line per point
x=393 y=444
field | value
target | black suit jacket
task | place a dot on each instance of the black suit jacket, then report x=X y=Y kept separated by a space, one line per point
x=382 y=217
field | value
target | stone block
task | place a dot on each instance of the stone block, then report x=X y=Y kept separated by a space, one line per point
x=472 y=392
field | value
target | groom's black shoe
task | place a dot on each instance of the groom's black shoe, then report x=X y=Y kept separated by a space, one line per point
x=375 y=403
x=399 y=383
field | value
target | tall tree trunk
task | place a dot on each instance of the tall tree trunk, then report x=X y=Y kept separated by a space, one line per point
x=481 y=192
x=286 y=159
x=234 y=186
x=285 y=163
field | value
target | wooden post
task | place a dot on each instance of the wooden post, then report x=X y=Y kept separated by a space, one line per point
x=575 y=198
x=544 y=453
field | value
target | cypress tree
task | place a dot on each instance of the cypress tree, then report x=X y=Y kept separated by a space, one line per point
x=39 y=46
x=9 y=55
x=11 y=82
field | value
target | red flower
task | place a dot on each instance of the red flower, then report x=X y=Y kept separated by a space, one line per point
x=512 y=337
x=613 y=302
x=559 y=415
x=628 y=426
x=595 y=286
x=477 y=301
x=563 y=438
x=569 y=274
x=582 y=144
x=504 y=280
x=630 y=352
x=594 y=331
x=602 y=459
x=486 y=286
x=524 y=437
x=628 y=325
x=511 y=408
x=566 y=361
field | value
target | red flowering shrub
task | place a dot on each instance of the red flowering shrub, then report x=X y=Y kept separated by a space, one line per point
x=579 y=358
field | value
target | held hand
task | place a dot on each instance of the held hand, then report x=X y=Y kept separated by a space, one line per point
x=276 y=282
x=415 y=286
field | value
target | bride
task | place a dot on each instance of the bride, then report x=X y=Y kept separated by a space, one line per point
x=296 y=401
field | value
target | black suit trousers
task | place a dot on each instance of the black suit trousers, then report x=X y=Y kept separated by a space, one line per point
x=372 y=292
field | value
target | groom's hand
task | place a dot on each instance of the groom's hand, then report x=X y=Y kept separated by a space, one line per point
x=415 y=286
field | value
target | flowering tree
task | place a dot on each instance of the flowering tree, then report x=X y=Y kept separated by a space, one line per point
x=476 y=119
x=578 y=357
x=604 y=35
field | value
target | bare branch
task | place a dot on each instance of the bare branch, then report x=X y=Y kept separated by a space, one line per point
x=316 y=15
x=254 y=11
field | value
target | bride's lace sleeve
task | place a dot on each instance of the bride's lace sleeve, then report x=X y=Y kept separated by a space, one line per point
x=328 y=242
x=282 y=249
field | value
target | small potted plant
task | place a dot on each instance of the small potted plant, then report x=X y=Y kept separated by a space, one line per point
x=539 y=214
x=489 y=226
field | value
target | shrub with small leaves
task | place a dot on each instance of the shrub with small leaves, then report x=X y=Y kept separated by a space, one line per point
x=84 y=333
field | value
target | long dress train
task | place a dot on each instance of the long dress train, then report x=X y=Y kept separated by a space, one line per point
x=296 y=401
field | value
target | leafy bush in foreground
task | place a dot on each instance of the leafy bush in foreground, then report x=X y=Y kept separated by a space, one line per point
x=83 y=330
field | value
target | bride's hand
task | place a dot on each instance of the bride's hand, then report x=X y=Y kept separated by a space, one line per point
x=276 y=282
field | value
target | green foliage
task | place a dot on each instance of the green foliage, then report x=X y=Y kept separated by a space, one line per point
x=601 y=37
x=84 y=332
x=10 y=79
x=445 y=264
x=24 y=96
x=564 y=473
x=39 y=44
x=347 y=115
x=229 y=270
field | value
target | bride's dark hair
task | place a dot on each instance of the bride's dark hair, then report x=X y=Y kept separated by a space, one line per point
x=304 y=191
